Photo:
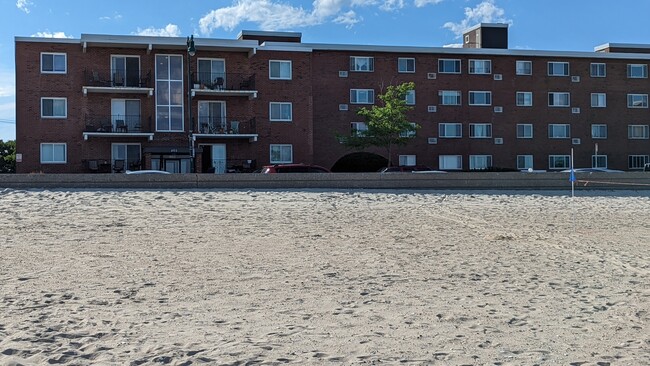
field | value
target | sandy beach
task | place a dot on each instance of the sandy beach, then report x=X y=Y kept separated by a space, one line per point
x=119 y=277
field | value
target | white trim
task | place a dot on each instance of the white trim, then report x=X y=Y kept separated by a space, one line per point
x=271 y=104
x=65 y=55
x=280 y=77
x=405 y=59
x=55 y=98
x=65 y=153
x=271 y=146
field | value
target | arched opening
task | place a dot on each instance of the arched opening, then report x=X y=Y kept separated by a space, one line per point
x=359 y=162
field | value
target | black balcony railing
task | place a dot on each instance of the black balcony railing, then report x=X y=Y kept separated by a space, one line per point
x=115 y=78
x=232 y=166
x=223 y=81
x=117 y=123
x=226 y=125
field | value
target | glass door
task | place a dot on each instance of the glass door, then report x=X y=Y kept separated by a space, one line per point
x=219 y=158
x=212 y=117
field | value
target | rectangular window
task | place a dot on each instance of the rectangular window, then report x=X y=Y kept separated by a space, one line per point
x=169 y=93
x=128 y=153
x=480 y=66
x=598 y=100
x=280 y=111
x=362 y=64
x=410 y=97
x=559 y=99
x=637 y=161
x=559 y=161
x=409 y=133
x=405 y=64
x=599 y=161
x=406 y=160
x=447 y=66
x=450 y=130
x=524 y=99
x=362 y=96
x=480 y=130
x=637 y=132
x=53 y=63
x=212 y=117
x=53 y=153
x=524 y=162
x=54 y=107
x=279 y=69
x=480 y=162
x=212 y=73
x=125 y=115
x=637 y=100
x=559 y=131
x=597 y=70
x=450 y=162
x=524 y=67
x=524 y=131
x=637 y=71
x=281 y=153
x=558 y=68
x=480 y=98
x=125 y=71
x=449 y=97
x=358 y=128
x=598 y=131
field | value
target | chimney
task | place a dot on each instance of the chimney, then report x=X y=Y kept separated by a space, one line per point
x=486 y=35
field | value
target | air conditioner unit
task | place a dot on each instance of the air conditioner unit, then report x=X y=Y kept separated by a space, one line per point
x=343 y=74
x=498 y=140
x=575 y=141
x=432 y=108
x=575 y=110
x=498 y=77
x=432 y=140
x=431 y=75
x=498 y=109
x=343 y=107
x=575 y=79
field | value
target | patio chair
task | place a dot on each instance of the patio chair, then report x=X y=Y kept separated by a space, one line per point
x=118 y=166
x=93 y=166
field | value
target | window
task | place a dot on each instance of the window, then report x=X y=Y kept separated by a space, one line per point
x=450 y=130
x=363 y=64
x=559 y=99
x=524 y=162
x=637 y=100
x=524 y=99
x=558 y=69
x=450 y=162
x=637 y=132
x=446 y=66
x=125 y=115
x=405 y=64
x=480 y=130
x=524 y=131
x=597 y=70
x=280 y=69
x=559 y=131
x=125 y=71
x=53 y=63
x=480 y=162
x=637 y=161
x=524 y=67
x=636 y=71
x=598 y=131
x=599 y=161
x=480 y=66
x=449 y=97
x=410 y=97
x=480 y=98
x=129 y=153
x=212 y=72
x=53 y=153
x=280 y=111
x=281 y=153
x=406 y=160
x=362 y=96
x=169 y=93
x=559 y=161
x=54 y=107
x=598 y=100
x=358 y=128
x=410 y=132
x=212 y=117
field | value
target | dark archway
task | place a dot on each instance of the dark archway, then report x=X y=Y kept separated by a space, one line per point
x=360 y=162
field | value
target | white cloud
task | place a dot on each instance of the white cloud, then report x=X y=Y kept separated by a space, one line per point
x=170 y=30
x=453 y=45
x=349 y=19
x=7 y=84
x=423 y=3
x=390 y=5
x=47 y=34
x=24 y=5
x=116 y=16
x=485 y=12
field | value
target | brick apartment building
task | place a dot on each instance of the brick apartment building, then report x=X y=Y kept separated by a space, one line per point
x=105 y=103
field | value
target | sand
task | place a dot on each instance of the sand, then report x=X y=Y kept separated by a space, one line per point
x=110 y=277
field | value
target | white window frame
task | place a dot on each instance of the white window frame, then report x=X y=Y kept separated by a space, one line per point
x=280 y=76
x=637 y=161
x=281 y=147
x=521 y=70
x=52 y=145
x=566 y=160
x=596 y=130
x=555 y=66
x=356 y=66
x=54 y=70
x=480 y=162
x=524 y=99
x=554 y=99
x=524 y=127
x=54 y=99
x=595 y=159
x=632 y=132
x=369 y=93
x=403 y=65
x=169 y=82
x=558 y=127
x=632 y=101
x=472 y=94
x=356 y=127
x=273 y=107
x=407 y=160
x=409 y=133
x=444 y=128
x=595 y=70
x=446 y=95
x=479 y=67
x=443 y=70
x=443 y=158
x=480 y=127
x=524 y=162
x=410 y=97
x=633 y=68
x=598 y=100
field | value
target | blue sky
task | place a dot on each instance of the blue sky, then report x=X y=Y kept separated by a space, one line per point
x=576 y=25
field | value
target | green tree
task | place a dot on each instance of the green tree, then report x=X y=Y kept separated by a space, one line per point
x=386 y=123
x=7 y=156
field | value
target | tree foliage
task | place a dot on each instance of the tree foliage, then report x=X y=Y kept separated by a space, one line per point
x=7 y=156
x=387 y=125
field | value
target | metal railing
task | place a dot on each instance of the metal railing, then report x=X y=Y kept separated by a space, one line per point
x=117 y=123
x=226 y=125
x=220 y=166
x=116 y=78
x=223 y=81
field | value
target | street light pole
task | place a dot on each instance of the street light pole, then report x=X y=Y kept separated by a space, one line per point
x=191 y=51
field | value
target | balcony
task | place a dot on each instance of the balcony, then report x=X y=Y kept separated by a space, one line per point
x=117 y=81
x=224 y=84
x=229 y=128
x=220 y=166
x=117 y=125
